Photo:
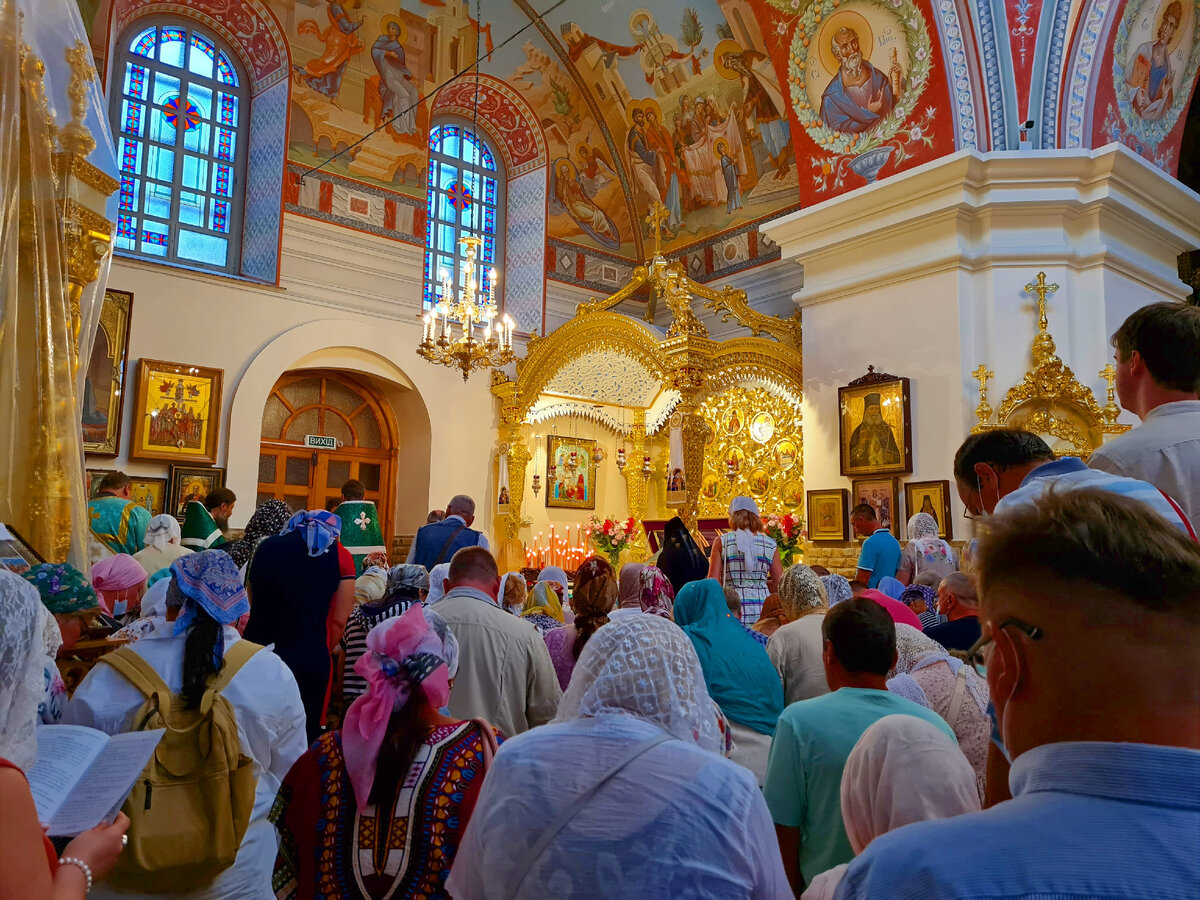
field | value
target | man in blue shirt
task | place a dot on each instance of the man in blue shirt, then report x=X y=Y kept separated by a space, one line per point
x=814 y=737
x=880 y=555
x=1091 y=612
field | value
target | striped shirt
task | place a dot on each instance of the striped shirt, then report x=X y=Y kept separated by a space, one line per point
x=1071 y=473
x=1090 y=819
x=354 y=640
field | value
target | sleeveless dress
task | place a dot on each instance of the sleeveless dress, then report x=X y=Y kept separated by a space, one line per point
x=748 y=576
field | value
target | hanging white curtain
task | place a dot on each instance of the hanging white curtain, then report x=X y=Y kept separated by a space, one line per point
x=676 y=485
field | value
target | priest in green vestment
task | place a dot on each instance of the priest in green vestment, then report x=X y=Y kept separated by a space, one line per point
x=362 y=532
x=200 y=530
x=115 y=520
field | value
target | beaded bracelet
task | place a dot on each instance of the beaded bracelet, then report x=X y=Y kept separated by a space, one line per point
x=82 y=866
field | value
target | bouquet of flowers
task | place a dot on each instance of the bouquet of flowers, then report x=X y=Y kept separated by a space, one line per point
x=787 y=532
x=610 y=537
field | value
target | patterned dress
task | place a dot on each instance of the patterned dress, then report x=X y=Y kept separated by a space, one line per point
x=327 y=849
x=748 y=576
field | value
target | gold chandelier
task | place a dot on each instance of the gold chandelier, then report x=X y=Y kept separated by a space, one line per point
x=470 y=310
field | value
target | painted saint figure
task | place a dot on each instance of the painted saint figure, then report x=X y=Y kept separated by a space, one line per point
x=764 y=105
x=860 y=95
x=397 y=92
x=873 y=443
x=731 y=173
x=324 y=74
x=1150 y=77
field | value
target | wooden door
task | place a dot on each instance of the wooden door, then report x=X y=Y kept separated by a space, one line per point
x=333 y=404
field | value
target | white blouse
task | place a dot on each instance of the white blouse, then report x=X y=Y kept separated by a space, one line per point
x=270 y=719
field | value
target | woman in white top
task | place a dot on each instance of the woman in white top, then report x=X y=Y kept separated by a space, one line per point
x=796 y=648
x=675 y=821
x=926 y=552
x=746 y=559
x=264 y=695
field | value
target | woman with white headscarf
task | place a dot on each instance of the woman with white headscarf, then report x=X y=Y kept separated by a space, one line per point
x=437 y=583
x=902 y=770
x=647 y=807
x=926 y=551
x=162 y=544
x=29 y=867
x=927 y=674
x=746 y=559
x=512 y=593
x=796 y=648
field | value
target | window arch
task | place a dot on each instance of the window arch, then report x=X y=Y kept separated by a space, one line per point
x=181 y=120
x=465 y=197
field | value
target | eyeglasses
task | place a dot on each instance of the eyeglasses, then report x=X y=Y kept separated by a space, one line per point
x=978 y=655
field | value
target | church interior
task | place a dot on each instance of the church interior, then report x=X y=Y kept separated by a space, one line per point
x=762 y=437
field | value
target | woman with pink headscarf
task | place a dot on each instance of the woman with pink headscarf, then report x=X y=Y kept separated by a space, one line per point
x=120 y=582
x=397 y=767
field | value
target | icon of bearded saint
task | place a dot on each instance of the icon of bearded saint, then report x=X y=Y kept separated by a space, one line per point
x=873 y=443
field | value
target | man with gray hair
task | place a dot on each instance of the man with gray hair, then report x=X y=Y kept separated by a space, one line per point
x=958 y=601
x=437 y=542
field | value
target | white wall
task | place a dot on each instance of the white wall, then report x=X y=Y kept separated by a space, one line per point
x=345 y=299
x=923 y=275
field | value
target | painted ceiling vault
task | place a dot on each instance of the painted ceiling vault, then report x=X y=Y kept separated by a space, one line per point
x=729 y=112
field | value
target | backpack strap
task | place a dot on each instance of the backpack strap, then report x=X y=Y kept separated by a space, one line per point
x=235 y=657
x=446 y=546
x=956 y=700
x=134 y=668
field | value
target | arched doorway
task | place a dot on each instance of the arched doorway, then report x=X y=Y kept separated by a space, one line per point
x=332 y=404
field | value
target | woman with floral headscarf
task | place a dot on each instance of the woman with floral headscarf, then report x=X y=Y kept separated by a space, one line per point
x=268 y=520
x=195 y=643
x=396 y=768
x=657 y=596
x=29 y=867
x=926 y=551
x=301 y=586
x=68 y=597
x=796 y=648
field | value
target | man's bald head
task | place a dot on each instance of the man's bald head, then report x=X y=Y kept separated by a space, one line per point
x=461 y=505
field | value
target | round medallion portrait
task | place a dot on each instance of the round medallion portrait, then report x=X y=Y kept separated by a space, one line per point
x=762 y=427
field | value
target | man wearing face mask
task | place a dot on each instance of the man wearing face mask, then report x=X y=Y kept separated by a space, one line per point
x=1090 y=605
x=1001 y=469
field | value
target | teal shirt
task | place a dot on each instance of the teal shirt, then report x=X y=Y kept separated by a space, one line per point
x=804 y=773
x=880 y=556
x=118 y=523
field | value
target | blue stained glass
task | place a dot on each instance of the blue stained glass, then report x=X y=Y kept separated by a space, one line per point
x=191 y=208
x=155 y=236
x=446 y=212
x=165 y=87
x=447 y=175
x=129 y=192
x=489 y=220
x=126 y=232
x=143 y=44
x=195 y=172
x=198 y=139
x=222 y=182
x=204 y=248
x=220 y=216
x=226 y=144
x=158 y=200
x=172 y=46
x=132 y=118
x=489 y=191
x=446 y=239
x=226 y=73
x=202 y=56
x=435 y=138
x=203 y=98
x=489 y=250
x=160 y=163
x=131 y=155
x=228 y=114
x=135 y=81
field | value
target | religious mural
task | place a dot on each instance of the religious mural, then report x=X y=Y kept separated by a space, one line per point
x=1155 y=58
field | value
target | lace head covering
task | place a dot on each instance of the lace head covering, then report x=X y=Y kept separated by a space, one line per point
x=437 y=583
x=884 y=787
x=837 y=588
x=644 y=667
x=371 y=585
x=62 y=587
x=267 y=521
x=319 y=528
x=801 y=591
x=404 y=655
x=543 y=601
x=630 y=587
x=916 y=651
x=657 y=596
x=922 y=525
x=162 y=530
x=557 y=576
x=22 y=682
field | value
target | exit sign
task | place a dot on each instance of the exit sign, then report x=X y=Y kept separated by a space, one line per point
x=320 y=442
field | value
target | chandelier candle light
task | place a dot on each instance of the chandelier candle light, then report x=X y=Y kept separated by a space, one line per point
x=470 y=310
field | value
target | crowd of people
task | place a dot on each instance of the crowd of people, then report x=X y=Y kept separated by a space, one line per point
x=1021 y=719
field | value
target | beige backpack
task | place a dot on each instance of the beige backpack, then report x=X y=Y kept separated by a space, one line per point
x=190 y=808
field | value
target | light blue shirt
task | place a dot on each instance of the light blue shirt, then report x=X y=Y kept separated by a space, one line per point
x=880 y=556
x=1086 y=820
x=813 y=738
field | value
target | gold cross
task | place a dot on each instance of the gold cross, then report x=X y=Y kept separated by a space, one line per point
x=658 y=215
x=983 y=374
x=1040 y=288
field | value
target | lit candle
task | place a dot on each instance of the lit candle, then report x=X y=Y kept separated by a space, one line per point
x=492 y=286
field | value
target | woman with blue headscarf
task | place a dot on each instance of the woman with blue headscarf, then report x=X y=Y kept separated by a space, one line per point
x=737 y=671
x=301 y=586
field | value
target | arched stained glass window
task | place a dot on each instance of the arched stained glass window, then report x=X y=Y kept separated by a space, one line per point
x=465 y=197
x=180 y=120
